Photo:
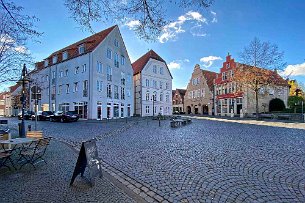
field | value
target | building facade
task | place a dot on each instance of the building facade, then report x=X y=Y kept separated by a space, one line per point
x=152 y=85
x=199 y=92
x=92 y=77
x=231 y=97
x=178 y=100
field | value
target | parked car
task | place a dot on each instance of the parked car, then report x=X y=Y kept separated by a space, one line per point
x=27 y=115
x=42 y=115
x=61 y=116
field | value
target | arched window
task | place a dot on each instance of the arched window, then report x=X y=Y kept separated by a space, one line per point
x=147 y=96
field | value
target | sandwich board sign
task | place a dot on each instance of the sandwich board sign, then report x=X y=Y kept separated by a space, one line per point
x=88 y=157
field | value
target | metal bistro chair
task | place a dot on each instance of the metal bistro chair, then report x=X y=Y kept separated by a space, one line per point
x=34 y=155
x=5 y=156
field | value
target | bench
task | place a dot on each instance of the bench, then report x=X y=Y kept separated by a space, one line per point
x=34 y=134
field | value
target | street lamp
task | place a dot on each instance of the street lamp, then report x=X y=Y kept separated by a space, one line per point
x=23 y=80
x=153 y=101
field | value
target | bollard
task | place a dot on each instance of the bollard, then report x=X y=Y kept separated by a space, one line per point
x=29 y=128
x=159 y=122
x=126 y=119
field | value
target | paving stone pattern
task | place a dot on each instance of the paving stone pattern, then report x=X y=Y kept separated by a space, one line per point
x=50 y=183
x=211 y=161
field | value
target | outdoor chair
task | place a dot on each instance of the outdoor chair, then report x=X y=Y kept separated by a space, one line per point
x=34 y=134
x=4 y=158
x=34 y=155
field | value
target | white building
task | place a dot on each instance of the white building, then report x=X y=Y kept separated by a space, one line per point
x=92 y=76
x=152 y=79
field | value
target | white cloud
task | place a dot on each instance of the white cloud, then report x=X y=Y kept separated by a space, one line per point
x=173 y=65
x=214 y=17
x=209 y=60
x=176 y=64
x=294 y=70
x=132 y=23
x=171 y=30
x=198 y=31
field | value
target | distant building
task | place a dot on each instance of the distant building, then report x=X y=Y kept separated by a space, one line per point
x=199 y=92
x=294 y=89
x=178 y=100
x=233 y=97
x=92 y=77
x=152 y=85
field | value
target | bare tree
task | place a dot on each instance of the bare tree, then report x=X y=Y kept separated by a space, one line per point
x=149 y=15
x=16 y=29
x=261 y=60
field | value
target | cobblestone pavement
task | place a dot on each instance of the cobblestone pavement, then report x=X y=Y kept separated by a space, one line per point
x=211 y=161
x=206 y=161
x=50 y=182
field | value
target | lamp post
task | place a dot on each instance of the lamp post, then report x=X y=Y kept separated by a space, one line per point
x=153 y=101
x=23 y=80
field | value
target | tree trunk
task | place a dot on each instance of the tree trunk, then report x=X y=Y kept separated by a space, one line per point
x=256 y=103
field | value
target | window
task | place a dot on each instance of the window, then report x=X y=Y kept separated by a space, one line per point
x=128 y=78
x=59 y=89
x=109 y=53
x=167 y=97
x=155 y=84
x=147 y=83
x=155 y=69
x=147 y=109
x=161 y=84
x=46 y=63
x=109 y=73
x=122 y=78
x=81 y=49
x=66 y=72
x=64 y=55
x=75 y=87
x=116 y=92
x=85 y=85
x=147 y=96
x=116 y=43
x=54 y=60
x=224 y=75
x=47 y=78
x=53 y=74
x=76 y=70
x=99 y=85
x=161 y=96
x=122 y=60
x=128 y=92
x=67 y=88
x=155 y=96
x=61 y=74
x=228 y=65
x=84 y=68
x=167 y=86
x=99 y=67
x=202 y=92
x=122 y=93
x=116 y=60
x=161 y=70
x=109 y=91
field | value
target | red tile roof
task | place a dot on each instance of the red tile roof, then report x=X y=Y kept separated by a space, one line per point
x=139 y=64
x=210 y=76
x=13 y=88
x=90 y=44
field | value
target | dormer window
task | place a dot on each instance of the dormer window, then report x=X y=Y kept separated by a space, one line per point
x=81 y=49
x=46 y=63
x=228 y=65
x=116 y=43
x=64 y=55
x=54 y=60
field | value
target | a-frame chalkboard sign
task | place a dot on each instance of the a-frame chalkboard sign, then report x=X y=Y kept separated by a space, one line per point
x=88 y=157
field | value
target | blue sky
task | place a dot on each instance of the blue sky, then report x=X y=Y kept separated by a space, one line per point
x=203 y=38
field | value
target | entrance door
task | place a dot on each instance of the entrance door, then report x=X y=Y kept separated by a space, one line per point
x=188 y=110
x=108 y=111
x=196 y=109
x=99 y=112
x=239 y=107
x=205 y=109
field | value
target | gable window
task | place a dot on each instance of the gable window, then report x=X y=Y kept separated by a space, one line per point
x=99 y=67
x=66 y=72
x=155 y=69
x=116 y=60
x=109 y=53
x=61 y=74
x=54 y=59
x=64 y=55
x=122 y=60
x=53 y=74
x=76 y=70
x=147 y=83
x=228 y=65
x=161 y=84
x=47 y=78
x=161 y=70
x=109 y=73
x=116 y=43
x=166 y=86
x=81 y=49
x=84 y=68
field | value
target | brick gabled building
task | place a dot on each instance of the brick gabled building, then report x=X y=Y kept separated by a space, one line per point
x=178 y=100
x=199 y=92
x=233 y=97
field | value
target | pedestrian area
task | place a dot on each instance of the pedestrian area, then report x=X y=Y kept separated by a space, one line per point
x=50 y=182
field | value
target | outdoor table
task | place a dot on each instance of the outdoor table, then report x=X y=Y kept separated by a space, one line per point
x=15 y=142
